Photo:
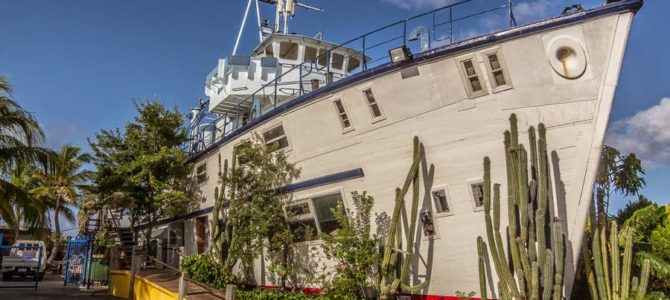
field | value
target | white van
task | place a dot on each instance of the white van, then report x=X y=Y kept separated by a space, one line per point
x=25 y=259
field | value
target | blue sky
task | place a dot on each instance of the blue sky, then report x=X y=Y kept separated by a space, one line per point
x=78 y=63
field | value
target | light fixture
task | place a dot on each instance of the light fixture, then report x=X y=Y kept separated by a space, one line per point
x=400 y=54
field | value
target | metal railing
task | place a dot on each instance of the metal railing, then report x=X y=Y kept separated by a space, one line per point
x=372 y=47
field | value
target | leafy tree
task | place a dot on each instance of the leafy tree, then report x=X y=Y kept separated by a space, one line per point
x=631 y=207
x=143 y=170
x=651 y=228
x=352 y=246
x=60 y=183
x=616 y=174
x=249 y=218
x=20 y=137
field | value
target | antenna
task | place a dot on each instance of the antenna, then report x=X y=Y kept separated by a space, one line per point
x=286 y=9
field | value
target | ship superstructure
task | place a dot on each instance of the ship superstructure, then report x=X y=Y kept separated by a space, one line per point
x=346 y=116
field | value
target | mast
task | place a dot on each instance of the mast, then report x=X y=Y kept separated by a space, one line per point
x=285 y=10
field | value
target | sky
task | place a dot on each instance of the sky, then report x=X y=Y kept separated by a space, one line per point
x=77 y=64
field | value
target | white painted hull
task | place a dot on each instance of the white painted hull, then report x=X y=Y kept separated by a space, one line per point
x=457 y=132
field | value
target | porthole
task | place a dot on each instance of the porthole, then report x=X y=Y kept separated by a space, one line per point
x=567 y=57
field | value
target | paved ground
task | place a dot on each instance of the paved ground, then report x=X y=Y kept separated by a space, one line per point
x=49 y=288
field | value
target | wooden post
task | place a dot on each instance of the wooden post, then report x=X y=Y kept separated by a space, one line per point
x=135 y=262
x=231 y=292
x=182 y=286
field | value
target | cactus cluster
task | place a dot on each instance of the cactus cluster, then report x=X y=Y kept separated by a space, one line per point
x=393 y=275
x=535 y=240
x=608 y=277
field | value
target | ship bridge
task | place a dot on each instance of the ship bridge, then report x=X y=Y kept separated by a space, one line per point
x=238 y=85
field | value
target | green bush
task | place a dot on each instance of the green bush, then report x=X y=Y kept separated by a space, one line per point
x=260 y=294
x=202 y=268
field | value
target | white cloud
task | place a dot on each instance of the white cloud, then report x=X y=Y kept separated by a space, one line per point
x=419 y=4
x=647 y=134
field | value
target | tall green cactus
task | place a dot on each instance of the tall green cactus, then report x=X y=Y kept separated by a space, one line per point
x=394 y=270
x=535 y=246
x=621 y=286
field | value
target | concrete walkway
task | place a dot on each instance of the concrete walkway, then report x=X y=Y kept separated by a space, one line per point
x=51 y=287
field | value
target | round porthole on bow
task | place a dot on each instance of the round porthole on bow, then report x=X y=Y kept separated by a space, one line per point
x=567 y=57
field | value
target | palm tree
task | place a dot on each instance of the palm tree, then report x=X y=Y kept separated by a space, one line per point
x=20 y=136
x=61 y=182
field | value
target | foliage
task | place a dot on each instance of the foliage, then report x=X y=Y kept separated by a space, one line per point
x=631 y=207
x=248 y=216
x=353 y=248
x=651 y=228
x=265 y=294
x=20 y=138
x=535 y=242
x=617 y=173
x=144 y=170
x=393 y=272
x=61 y=182
x=608 y=275
x=202 y=268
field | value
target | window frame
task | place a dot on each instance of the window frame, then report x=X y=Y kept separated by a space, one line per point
x=272 y=127
x=450 y=204
x=291 y=50
x=465 y=78
x=503 y=67
x=381 y=116
x=312 y=215
x=345 y=113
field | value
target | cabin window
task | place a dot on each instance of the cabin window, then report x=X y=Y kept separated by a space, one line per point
x=276 y=137
x=353 y=63
x=372 y=104
x=497 y=73
x=338 y=61
x=442 y=202
x=269 y=52
x=342 y=114
x=477 y=190
x=474 y=85
x=311 y=217
x=288 y=50
x=323 y=57
x=201 y=173
x=310 y=54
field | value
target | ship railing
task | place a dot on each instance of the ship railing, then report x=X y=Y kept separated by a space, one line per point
x=370 y=48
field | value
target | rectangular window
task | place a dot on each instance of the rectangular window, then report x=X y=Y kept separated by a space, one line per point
x=478 y=194
x=471 y=75
x=310 y=54
x=269 y=52
x=288 y=50
x=497 y=73
x=201 y=173
x=338 y=61
x=344 y=118
x=323 y=57
x=441 y=201
x=239 y=153
x=353 y=63
x=277 y=137
x=311 y=217
x=372 y=103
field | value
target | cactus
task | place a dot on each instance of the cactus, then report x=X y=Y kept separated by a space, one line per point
x=482 y=267
x=394 y=270
x=535 y=246
x=621 y=286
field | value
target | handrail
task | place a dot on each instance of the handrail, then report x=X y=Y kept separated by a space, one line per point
x=186 y=277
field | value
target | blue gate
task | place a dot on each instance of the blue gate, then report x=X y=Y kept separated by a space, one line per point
x=77 y=262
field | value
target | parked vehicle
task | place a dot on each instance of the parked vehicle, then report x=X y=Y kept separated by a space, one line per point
x=25 y=259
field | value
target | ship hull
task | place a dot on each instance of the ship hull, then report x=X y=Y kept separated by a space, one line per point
x=429 y=98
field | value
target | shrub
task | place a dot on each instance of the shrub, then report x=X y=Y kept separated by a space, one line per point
x=260 y=294
x=202 y=268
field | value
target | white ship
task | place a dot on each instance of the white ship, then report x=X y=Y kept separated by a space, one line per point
x=346 y=115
